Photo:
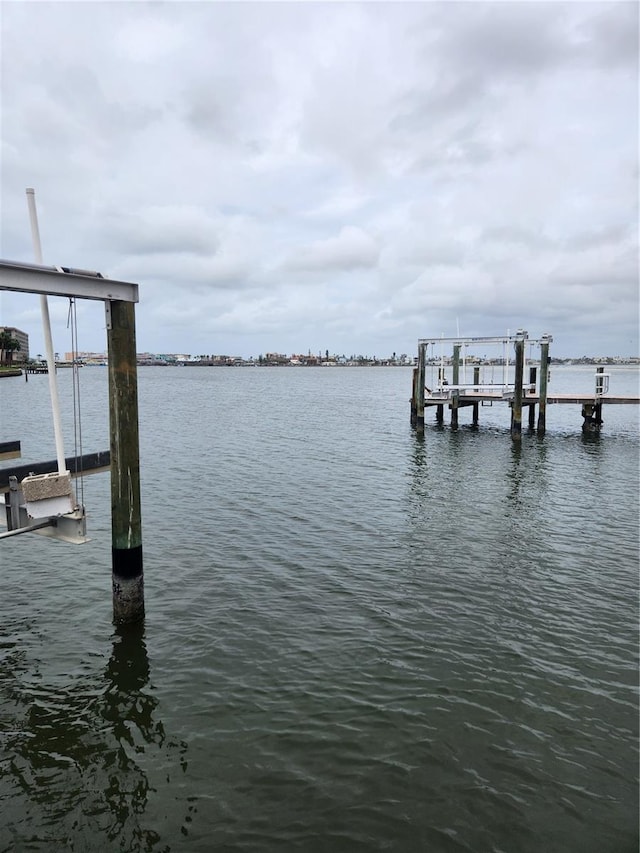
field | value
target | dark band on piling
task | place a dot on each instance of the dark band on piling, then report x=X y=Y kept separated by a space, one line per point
x=126 y=563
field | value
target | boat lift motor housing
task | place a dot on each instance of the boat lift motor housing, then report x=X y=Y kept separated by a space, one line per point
x=48 y=495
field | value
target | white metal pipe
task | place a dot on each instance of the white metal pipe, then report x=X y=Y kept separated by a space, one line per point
x=48 y=342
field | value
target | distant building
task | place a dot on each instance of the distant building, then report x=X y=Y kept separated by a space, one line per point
x=21 y=354
x=87 y=357
x=272 y=358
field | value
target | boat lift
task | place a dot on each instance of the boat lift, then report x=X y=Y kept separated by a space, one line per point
x=460 y=392
x=39 y=497
x=43 y=502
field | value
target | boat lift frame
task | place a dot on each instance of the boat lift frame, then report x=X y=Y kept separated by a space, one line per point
x=454 y=394
x=119 y=298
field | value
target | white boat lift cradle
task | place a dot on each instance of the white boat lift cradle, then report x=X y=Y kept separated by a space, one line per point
x=39 y=497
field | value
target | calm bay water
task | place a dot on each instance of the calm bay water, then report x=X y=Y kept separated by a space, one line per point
x=357 y=639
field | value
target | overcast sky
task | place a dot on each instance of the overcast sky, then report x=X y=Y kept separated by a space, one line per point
x=311 y=176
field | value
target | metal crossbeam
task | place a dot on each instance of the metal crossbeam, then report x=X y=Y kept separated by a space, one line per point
x=64 y=281
x=491 y=340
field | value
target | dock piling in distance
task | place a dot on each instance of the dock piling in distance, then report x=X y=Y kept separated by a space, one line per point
x=126 y=525
x=544 y=379
x=592 y=412
x=516 y=406
x=476 y=382
x=532 y=406
x=455 y=383
x=599 y=391
x=414 y=395
x=440 y=406
x=421 y=377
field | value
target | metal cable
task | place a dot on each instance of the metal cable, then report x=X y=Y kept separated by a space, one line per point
x=72 y=321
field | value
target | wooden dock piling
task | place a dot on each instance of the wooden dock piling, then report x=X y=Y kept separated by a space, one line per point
x=455 y=383
x=440 y=407
x=532 y=406
x=592 y=412
x=516 y=406
x=476 y=405
x=544 y=379
x=600 y=389
x=414 y=398
x=126 y=525
x=422 y=359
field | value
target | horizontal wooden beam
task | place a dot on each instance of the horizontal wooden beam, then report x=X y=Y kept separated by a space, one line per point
x=89 y=463
x=64 y=281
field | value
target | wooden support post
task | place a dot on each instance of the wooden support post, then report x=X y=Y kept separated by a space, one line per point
x=421 y=378
x=455 y=382
x=598 y=407
x=532 y=406
x=440 y=413
x=414 y=395
x=592 y=412
x=516 y=406
x=544 y=377
x=476 y=382
x=126 y=526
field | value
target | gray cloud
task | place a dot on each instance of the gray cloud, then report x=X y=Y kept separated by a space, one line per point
x=342 y=176
x=351 y=249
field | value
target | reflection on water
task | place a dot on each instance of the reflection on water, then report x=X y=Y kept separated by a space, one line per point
x=77 y=756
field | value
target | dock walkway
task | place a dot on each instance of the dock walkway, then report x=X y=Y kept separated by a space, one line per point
x=471 y=394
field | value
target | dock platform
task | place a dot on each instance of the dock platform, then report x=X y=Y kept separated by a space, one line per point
x=468 y=396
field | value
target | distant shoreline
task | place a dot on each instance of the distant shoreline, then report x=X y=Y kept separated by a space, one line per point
x=616 y=361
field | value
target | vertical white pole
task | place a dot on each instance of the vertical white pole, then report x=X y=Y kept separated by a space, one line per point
x=48 y=342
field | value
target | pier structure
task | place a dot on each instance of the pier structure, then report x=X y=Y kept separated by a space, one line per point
x=503 y=382
x=31 y=482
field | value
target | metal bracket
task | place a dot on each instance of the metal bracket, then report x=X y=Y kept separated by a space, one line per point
x=71 y=527
x=107 y=314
